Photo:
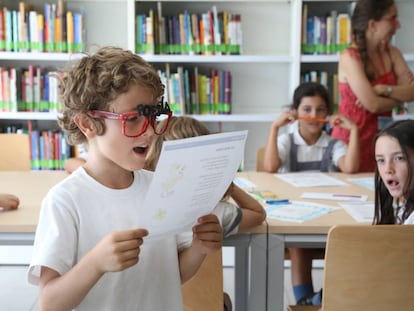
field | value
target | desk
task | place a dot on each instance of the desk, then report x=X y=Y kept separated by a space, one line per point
x=18 y=227
x=310 y=234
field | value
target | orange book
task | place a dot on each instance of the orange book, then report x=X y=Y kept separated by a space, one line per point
x=58 y=30
x=201 y=33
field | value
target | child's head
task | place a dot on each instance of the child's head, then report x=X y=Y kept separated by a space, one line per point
x=99 y=79
x=394 y=154
x=378 y=15
x=311 y=100
x=312 y=89
x=178 y=128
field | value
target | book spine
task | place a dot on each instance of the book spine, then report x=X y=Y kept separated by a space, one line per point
x=77 y=32
x=70 y=32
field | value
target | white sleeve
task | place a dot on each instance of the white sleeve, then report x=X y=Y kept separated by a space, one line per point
x=283 y=146
x=340 y=148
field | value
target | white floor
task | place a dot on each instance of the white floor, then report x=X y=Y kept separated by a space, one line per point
x=17 y=295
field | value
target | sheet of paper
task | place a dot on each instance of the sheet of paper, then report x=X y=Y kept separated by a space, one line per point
x=367 y=182
x=244 y=183
x=334 y=196
x=297 y=211
x=361 y=212
x=310 y=179
x=191 y=177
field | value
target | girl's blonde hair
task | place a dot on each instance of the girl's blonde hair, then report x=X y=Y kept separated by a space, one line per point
x=179 y=127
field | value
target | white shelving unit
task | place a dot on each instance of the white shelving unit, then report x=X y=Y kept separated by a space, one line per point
x=263 y=76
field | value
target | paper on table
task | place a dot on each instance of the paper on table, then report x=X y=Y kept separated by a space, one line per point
x=361 y=212
x=191 y=177
x=297 y=211
x=367 y=182
x=310 y=179
x=334 y=196
x=244 y=183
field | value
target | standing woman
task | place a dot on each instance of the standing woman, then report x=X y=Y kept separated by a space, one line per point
x=372 y=73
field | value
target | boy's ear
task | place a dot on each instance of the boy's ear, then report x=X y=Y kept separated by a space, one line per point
x=85 y=124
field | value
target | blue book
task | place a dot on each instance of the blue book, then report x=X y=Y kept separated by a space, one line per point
x=34 y=145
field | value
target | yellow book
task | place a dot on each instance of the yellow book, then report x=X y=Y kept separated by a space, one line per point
x=69 y=27
x=343 y=29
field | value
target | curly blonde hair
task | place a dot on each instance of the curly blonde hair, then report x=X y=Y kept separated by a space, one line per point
x=99 y=78
x=179 y=127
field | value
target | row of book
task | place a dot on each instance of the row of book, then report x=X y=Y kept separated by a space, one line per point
x=330 y=81
x=325 y=34
x=48 y=150
x=189 y=91
x=210 y=33
x=53 y=30
x=29 y=89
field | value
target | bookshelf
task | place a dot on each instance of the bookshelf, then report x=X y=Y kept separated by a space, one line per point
x=264 y=75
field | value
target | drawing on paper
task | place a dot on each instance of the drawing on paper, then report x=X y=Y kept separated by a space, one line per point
x=160 y=214
x=176 y=173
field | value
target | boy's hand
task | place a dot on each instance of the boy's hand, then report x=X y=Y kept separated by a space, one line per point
x=8 y=201
x=119 y=250
x=208 y=234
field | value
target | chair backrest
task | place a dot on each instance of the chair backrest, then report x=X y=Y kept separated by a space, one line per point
x=368 y=268
x=260 y=159
x=204 y=292
x=14 y=152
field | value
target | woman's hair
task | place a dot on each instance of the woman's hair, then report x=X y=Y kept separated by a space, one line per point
x=179 y=127
x=366 y=10
x=403 y=132
x=95 y=80
x=310 y=89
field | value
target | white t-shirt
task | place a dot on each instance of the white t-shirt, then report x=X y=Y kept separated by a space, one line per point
x=307 y=153
x=76 y=214
x=409 y=220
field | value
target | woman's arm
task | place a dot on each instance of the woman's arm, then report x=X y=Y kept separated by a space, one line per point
x=404 y=90
x=351 y=71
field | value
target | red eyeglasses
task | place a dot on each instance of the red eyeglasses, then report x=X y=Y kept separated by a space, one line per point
x=135 y=124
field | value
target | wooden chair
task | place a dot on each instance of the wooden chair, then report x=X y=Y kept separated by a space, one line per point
x=15 y=152
x=260 y=159
x=204 y=292
x=369 y=268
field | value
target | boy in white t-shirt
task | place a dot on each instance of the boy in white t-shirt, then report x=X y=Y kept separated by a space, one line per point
x=89 y=252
